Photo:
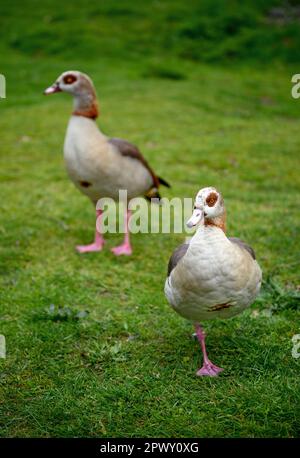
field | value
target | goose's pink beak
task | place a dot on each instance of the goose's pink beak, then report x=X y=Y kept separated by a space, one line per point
x=52 y=89
x=195 y=218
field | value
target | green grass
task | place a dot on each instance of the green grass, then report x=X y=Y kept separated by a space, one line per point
x=93 y=348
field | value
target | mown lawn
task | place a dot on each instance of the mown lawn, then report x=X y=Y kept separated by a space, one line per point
x=93 y=348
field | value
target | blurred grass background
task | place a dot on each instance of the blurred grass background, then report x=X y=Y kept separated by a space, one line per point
x=204 y=89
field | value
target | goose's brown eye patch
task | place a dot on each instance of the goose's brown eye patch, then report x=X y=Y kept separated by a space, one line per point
x=69 y=79
x=211 y=199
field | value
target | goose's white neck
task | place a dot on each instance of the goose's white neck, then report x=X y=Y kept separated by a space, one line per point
x=211 y=228
x=82 y=127
x=207 y=234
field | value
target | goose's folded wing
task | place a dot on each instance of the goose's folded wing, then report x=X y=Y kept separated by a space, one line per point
x=127 y=149
x=243 y=245
x=176 y=256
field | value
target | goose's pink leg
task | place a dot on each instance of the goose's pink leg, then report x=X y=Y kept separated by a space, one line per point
x=125 y=248
x=208 y=367
x=98 y=243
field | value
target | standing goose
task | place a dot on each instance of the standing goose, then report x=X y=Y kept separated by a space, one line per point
x=100 y=166
x=212 y=276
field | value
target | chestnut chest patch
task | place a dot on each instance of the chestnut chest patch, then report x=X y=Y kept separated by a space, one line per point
x=85 y=184
x=219 y=307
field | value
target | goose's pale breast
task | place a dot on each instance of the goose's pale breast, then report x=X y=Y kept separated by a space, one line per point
x=215 y=278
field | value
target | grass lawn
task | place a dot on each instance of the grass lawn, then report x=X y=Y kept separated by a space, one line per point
x=93 y=348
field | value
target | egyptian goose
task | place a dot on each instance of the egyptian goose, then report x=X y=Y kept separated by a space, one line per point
x=100 y=166
x=212 y=276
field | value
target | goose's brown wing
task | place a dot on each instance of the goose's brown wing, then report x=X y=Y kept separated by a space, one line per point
x=243 y=245
x=176 y=256
x=127 y=149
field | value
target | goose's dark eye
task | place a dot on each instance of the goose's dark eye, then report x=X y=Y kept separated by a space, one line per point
x=69 y=79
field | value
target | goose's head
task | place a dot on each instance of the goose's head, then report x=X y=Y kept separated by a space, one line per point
x=209 y=209
x=81 y=87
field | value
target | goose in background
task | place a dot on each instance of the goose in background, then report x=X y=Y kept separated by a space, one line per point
x=98 y=165
x=212 y=276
